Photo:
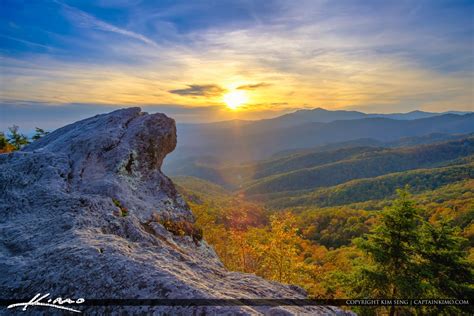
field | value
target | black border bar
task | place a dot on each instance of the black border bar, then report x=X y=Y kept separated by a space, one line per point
x=259 y=302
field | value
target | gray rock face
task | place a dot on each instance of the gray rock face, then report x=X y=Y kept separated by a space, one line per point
x=81 y=215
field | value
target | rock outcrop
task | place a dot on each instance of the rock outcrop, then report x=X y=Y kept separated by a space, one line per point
x=86 y=212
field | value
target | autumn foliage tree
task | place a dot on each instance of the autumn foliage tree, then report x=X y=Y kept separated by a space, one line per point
x=281 y=249
x=5 y=146
x=15 y=140
x=408 y=250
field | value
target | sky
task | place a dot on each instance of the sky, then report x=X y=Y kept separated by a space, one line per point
x=211 y=60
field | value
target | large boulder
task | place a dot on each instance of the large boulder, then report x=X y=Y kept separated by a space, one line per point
x=86 y=212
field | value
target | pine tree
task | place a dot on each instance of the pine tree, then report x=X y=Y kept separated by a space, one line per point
x=39 y=133
x=392 y=250
x=446 y=260
x=409 y=258
x=447 y=271
x=3 y=141
x=17 y=139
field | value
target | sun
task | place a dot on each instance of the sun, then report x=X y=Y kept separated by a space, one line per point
x=235 y=99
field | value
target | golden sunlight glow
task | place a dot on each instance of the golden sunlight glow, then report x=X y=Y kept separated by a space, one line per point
x=235 y=99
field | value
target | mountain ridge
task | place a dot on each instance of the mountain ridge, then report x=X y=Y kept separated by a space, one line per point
x=255 y=141
x=326 y=116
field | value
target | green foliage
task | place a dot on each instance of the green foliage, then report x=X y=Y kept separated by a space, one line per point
x=308 y=160
x=408 y=250
x=365 y=164
x=445 y=266
x=197 y=190
x=3 y=141
x=334 y=227
x=123 y=211
x=407 y=257
x=377 y=188
x=391 y=247
x=17 y=139
x=327 y=165
x=39 y=133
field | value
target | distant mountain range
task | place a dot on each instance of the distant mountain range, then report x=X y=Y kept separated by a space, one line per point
x=325 y=116
x=332 y=175
x=240 y=141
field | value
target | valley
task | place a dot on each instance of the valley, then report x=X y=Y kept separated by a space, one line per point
x=318 y=201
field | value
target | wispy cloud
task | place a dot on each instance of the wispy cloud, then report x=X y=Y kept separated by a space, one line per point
x=29 y=43
x=86 y=20
x=195 y=90
x=305 y=54
x=253 y=86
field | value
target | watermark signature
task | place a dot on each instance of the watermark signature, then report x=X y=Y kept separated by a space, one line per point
x=39 y=300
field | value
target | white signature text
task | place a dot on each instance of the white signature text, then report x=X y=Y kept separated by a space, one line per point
x=39 y=300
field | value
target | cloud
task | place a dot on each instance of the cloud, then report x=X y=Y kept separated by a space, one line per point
x=253 y=86
x=195 y=90
x=29 y=43
x=84 y=19
x=315 y=53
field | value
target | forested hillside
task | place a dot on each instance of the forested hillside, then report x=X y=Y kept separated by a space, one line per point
x=366 y=164
x=323 y=167
x=317 y=247
x=401 y=142
x=310 y=216
x=376 y=188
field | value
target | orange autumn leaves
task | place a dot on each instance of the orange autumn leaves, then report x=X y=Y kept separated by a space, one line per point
x=274 y=251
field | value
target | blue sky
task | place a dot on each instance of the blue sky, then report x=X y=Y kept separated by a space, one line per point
x=69 y=59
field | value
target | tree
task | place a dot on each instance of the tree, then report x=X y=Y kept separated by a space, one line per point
x=3 y=141
x=17 y=139
x=392 y=251
x=409 y=258
x=281 y=252
x=5 y=146
x=446 y=269
x=39 y=133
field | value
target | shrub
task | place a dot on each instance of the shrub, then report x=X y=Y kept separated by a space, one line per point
x=180 y=227
x=123 y=211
